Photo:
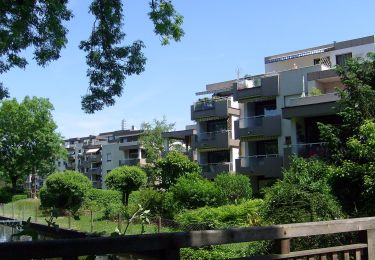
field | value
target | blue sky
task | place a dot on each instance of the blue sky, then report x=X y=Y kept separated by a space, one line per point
x=221 y=36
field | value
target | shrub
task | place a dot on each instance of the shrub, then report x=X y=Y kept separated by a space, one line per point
x=65 y=190
x=243 y=214
x=101 y=198
x=6 y=194
x=173 y=166
x=234 y=187
x=302 y=196
x=193 y=191
x=126 y=179
x=19 y=197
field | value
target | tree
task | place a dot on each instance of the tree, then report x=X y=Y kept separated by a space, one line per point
x=152 y=140
x=173 y=166
x=41 y=26
x=234 y=187
x=193 y=191
x=29 y=142
x=352 y=158
x=65 y=190
x=126 y=179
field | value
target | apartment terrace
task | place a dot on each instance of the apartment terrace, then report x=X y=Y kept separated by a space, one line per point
x=215 y=140
x=216 y=107
x=264 y=125
x=260 y=165
x=259 y=87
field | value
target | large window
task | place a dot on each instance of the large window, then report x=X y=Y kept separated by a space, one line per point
x=267 y=147
x=218 y=157
x=217 y=125
x=342 y=58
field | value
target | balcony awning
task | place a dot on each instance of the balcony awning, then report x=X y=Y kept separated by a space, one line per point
x=92 y=150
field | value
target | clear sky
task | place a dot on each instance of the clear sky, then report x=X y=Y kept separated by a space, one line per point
x=221 y=36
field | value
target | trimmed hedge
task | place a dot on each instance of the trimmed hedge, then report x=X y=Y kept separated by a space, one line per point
x=224 y=216
x=19 y=197
x=102 y=198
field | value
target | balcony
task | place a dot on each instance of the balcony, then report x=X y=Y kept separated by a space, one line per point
x=269 y=165
x=305 y=150
x=257 y=87
x=210 y=170
x=132 y=161
x=213 y=108
x=125 y=145
x=265 y=125
x=309 y=106
x=215 y=140
x=93 y=158
x=95 y=171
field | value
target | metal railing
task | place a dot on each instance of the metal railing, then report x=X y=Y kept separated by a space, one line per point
x=207 y=104
x=255 y=121
x=130 y=161
x=217 y=167
x=249 y=161
x=211 y=136
x=310 y=149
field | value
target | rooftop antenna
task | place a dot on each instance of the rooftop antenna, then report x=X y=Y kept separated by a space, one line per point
x=238 y=72
x=123 y=124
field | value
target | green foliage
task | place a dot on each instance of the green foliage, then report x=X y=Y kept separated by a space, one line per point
x=126 y=179
x=243 y=214
x=19 y=197
x=193 y=191
x=173 y=166
x=28 y=138
x=6 y=194
x=315 y=92
x=65 y=190
x=302 y=196
x=152 y=139
x=234 y=187
x=41 y=26
x=353 y=181
x=102 y=198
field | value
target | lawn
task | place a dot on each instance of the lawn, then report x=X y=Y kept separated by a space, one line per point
x=23 y=209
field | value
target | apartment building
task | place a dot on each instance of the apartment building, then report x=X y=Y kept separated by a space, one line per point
x=253 y=124
x=95 y=156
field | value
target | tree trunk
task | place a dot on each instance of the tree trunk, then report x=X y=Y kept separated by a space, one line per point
x=33 y=183
x=126 y=199
x=123 y=199
x=14 y=184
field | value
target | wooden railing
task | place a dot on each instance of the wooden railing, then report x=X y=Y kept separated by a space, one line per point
x=167 y=245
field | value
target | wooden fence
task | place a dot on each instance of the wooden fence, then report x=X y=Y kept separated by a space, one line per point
x=167 y=245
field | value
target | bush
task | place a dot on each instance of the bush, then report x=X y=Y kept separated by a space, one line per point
x=193 y=191
x=101 y=198
x=65 y=190
x=126 y=179
x=244 y=214
x=19 y=197
x=302 y=196
x=6 y=194
x=160 y=203
x=234 y=187
x=173 y=166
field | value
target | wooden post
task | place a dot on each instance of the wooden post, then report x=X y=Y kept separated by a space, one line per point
x=283 y=246
x=91 y=221
x=371 y=244
x=159 y=224
x=69 y=221
x=36 y=214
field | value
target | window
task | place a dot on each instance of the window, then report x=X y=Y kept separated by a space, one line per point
x=316 y=61
x=342 y=58
x=59 y=164
x=109 y=157
x=267 y=147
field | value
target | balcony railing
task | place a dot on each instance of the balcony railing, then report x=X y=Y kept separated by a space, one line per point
x=307 y=150
x=256 y=121
x=256 y=160
x=212 y=136
x=131 y=161
x=310 y=100
x=207 y=104
x=210 y=170
x=268 y=165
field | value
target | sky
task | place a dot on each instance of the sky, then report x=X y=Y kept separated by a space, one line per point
x=221 y=36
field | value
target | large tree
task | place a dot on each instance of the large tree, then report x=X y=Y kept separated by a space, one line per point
x=29 y=142
x=152 y=139
x=41 y=25
x=352 y=180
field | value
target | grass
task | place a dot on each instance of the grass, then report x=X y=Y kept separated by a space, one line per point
x=23 y=209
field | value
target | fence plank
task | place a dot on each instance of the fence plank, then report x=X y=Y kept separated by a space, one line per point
x=371 y=244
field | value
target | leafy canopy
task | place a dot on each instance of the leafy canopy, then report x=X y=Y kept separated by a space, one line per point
x=152 y=140
x=172 y=166
x=126 y=179
x=41 y=25
x=234 y=187
x=65 y=190
x=28 y=138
